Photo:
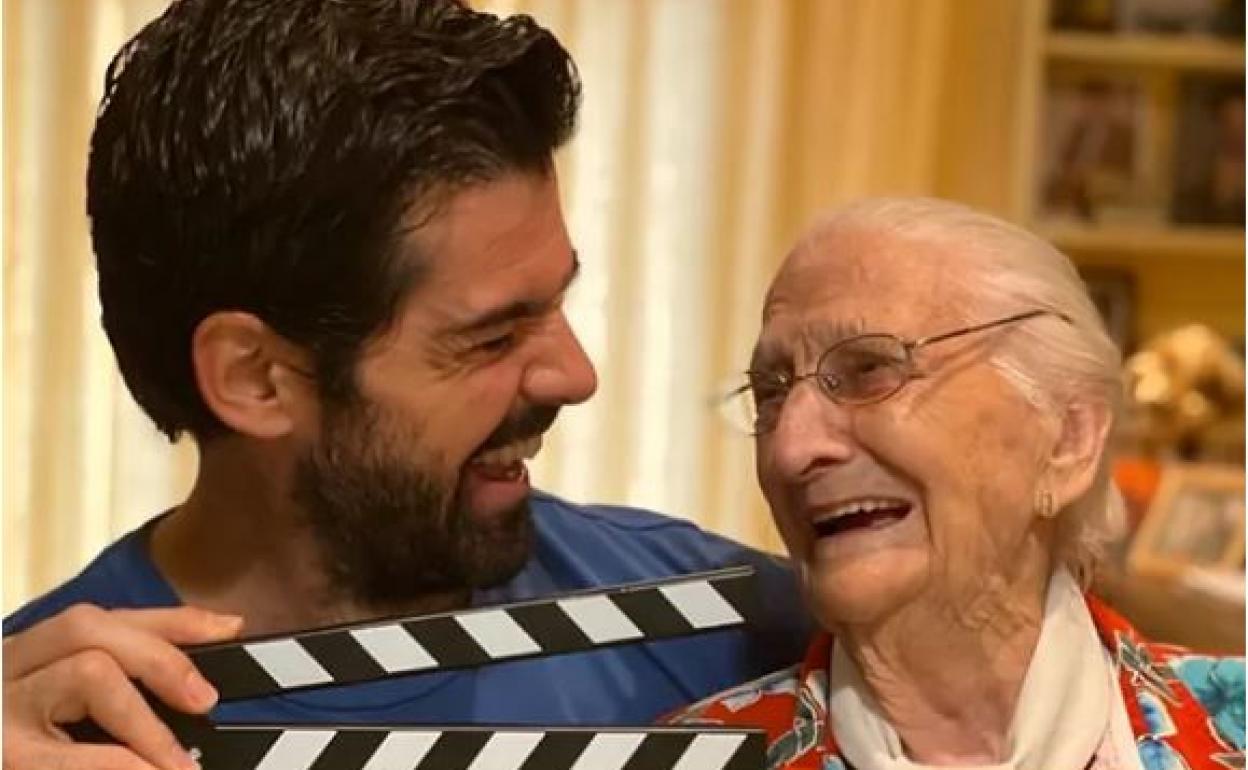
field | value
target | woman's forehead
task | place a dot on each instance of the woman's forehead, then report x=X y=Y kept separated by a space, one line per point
x=837 y=293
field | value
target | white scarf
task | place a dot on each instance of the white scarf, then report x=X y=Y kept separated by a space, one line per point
x=1068 y=704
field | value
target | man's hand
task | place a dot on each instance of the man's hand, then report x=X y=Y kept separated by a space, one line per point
x=79 y=665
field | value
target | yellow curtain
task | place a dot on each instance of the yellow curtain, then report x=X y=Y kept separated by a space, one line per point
x=711 y=131
x=81 y=463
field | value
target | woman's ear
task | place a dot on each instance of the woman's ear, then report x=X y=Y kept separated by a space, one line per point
x=1076 y=454
x=243 y=374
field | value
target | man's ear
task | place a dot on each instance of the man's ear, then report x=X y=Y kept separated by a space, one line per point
x=1073 y=461
x=244 y=374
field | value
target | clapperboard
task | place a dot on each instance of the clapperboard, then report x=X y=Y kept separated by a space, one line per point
x=350 y=654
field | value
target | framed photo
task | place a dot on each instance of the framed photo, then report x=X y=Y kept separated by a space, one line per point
x=1195 y=522
x=1113 y=292
x=1170 y=16
x=1099 y=151
x=1209 y=152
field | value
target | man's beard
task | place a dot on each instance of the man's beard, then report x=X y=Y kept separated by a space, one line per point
x=390 y=531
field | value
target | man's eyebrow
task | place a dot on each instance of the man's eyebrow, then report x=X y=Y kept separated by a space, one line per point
x=520 y=309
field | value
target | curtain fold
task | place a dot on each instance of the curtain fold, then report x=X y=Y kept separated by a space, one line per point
x=712 y=130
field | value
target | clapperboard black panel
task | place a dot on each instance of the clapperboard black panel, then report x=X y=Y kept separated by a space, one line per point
x=571 y=623
x=636 y=613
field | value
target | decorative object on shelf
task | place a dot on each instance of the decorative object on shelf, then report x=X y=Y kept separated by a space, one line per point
x=1185 y=397
x=1169 y=16
x=1196 y=521
x=1096 y=162
x=1209 y=152
x=1137 y=478
x=1113 y=291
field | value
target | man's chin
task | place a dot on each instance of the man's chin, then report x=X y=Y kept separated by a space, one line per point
x=501 y=547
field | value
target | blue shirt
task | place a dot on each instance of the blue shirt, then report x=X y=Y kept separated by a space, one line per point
x=576 y=547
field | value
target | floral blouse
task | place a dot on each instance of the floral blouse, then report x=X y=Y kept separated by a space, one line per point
x=1186 y=710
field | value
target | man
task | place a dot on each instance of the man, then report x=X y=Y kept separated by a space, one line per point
x=330 y=247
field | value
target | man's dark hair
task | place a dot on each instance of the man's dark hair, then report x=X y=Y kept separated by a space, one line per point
x=262 y=156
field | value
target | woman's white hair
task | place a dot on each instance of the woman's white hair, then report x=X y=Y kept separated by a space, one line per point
x=1009 y=270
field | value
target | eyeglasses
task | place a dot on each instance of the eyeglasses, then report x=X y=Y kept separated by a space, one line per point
x=859 y=370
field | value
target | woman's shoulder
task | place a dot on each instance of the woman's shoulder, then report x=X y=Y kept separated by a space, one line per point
x=789 y=705
x=1215 y=682
x=757 y=702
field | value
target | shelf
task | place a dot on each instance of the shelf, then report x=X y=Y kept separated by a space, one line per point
x=1185 y=52
x=1213 y=243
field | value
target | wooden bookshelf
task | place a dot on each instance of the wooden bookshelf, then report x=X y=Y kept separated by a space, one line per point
x=1133 y=242
x=1137 y=50
x=1184 y=273
x=999 y=127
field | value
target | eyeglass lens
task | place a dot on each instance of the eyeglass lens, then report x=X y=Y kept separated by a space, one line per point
x=864 y=369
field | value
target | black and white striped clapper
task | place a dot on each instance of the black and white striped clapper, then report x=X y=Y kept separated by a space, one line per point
x=640 y=612
x=476 y=748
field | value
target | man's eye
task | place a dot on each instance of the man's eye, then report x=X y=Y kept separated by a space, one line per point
x=499 y=344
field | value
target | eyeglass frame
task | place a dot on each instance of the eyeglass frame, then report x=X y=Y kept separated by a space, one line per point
x=908 y=347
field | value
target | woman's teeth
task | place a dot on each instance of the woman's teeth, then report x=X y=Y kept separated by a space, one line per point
x=506 y=456
x=865 y=505
x=863 y=513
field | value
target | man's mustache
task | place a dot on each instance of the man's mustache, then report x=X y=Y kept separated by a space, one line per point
x=534 y=421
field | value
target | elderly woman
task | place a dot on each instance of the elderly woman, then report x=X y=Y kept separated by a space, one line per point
x=931 y=395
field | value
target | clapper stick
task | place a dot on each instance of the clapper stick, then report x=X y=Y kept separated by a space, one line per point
x=585 y=620
x=349 y=654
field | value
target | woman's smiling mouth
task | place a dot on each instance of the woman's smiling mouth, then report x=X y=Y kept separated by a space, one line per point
x=859 y=514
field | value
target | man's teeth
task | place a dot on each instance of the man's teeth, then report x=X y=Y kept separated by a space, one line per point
x=864 y=505
x=511 y=453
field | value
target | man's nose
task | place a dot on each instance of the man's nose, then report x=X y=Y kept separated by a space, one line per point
x=563 y=374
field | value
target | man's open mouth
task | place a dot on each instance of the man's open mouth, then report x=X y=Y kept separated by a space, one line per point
x=506 y=463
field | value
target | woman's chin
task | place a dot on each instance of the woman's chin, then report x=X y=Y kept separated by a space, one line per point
x=865 y=589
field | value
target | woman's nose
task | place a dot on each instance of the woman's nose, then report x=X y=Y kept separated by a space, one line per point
x=812 y=430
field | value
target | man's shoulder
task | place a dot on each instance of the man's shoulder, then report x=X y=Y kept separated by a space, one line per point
x=656 y=544
x=122 y=575
x=622 y=518
x=589 y=546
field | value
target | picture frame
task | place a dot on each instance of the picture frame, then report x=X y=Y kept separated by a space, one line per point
x=1194 y=523
x=1172 y=17
x=1099 y=151
x=1208 y=185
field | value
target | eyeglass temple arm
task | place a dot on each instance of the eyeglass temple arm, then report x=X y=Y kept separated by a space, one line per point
x=988 y=325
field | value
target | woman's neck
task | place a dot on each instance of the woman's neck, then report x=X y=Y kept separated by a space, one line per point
x=947 y=673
